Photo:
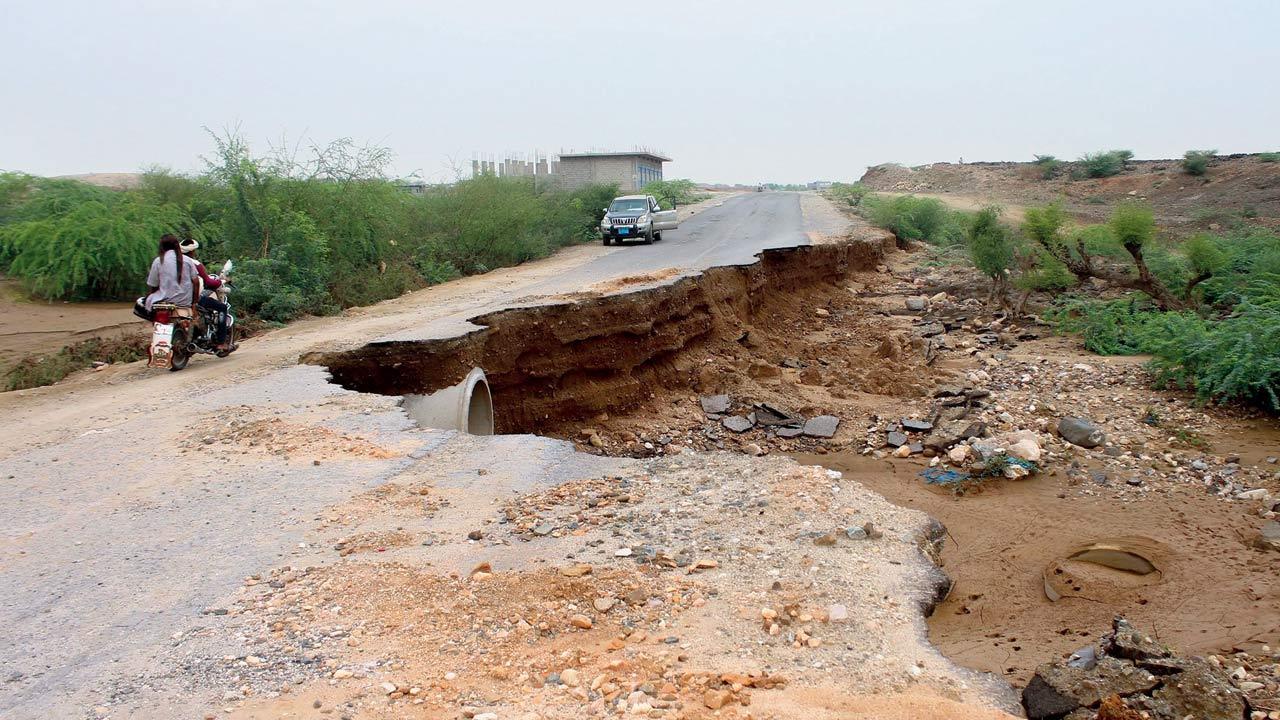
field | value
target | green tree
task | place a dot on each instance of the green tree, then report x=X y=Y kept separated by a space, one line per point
x=992 y=250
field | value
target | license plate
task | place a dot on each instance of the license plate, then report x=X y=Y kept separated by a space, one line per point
x=624 y=230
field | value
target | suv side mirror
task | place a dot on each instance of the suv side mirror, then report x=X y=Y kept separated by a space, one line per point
x=604 y=210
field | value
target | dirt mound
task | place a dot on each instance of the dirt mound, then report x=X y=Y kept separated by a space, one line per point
x=274 y=436
x=1235 y=187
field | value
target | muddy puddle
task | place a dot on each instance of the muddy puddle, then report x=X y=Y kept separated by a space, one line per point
x=1175 y=562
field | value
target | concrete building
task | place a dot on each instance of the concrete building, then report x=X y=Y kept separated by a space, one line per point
x=630 y=170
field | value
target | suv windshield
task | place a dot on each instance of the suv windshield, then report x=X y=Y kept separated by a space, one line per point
x=623 y=205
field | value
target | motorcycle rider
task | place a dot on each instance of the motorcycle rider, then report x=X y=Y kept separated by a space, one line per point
x=217 y=308
x=171 y=278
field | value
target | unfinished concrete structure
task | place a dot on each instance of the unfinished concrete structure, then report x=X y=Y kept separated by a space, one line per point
x=630 y=170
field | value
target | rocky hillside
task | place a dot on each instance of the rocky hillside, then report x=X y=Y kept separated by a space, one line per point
x=1235 y=187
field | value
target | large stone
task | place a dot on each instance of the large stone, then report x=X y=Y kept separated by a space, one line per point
x=1269 y=536
x=913 y=425
x=1126 y=641
x=769 y=415
x=714 y=404
x=1081 y=432
x=896 y=439
x=953 y=431
x=930 y=329
x=1201 y=691
x=916 y=303
x=823 y=426
x=737 y=424
x=1022 y=444
x=1057 y=689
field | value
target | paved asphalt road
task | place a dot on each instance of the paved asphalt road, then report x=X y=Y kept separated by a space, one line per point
x=726 y=232
x=118 y=528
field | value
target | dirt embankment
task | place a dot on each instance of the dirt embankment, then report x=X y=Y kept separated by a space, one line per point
x=1235 y=187
x=570 y=361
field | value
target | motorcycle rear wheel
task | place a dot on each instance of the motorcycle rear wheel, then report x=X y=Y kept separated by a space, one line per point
x=181 y=353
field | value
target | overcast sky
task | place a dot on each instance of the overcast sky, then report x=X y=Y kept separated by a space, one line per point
x=741 y=91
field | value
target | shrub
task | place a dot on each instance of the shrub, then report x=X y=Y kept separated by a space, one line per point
x=1102 y=164
x=1236 y=358
x=1269 y=157
x=1044 y=272
x=671 y=193
x=1107 y=328
x=1049 y=165
x=913 y=218
x=1196 y=162
x=851 y=194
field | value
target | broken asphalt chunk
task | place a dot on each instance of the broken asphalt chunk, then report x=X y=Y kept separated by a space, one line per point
x=714 y=404
x=823 y=426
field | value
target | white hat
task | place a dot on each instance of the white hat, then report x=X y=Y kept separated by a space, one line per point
x=189 y=246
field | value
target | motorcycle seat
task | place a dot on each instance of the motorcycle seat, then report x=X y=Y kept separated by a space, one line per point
x=179 y=310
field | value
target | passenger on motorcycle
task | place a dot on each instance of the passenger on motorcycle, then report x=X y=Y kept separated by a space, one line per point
x=217 y=309
x=171 y=279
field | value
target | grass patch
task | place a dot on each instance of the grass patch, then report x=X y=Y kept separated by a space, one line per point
x=43 y=370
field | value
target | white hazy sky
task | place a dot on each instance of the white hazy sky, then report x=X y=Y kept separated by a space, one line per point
x=740 y=91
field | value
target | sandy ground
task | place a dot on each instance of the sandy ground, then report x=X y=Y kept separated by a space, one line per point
x=1002 y=541
x=33 y=327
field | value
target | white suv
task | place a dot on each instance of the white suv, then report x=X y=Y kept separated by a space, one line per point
x=636 y=217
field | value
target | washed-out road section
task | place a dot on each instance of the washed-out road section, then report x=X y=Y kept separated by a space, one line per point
x=120 y=534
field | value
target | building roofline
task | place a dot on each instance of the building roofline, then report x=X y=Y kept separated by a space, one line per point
x=634 y=153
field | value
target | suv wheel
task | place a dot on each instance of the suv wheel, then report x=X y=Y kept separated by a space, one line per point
x=648 y=236
x=606 y=241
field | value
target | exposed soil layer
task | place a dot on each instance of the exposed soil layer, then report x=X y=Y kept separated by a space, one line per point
x=568 y=361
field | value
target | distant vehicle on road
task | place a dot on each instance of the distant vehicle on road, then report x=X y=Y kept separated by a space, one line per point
x=636 y=217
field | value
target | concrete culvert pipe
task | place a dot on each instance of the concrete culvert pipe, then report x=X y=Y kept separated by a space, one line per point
x=467 y=406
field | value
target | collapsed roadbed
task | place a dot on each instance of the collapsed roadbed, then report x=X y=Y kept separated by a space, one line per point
x=574 y=360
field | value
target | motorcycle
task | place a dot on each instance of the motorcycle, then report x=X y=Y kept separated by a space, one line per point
x=179 y=333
